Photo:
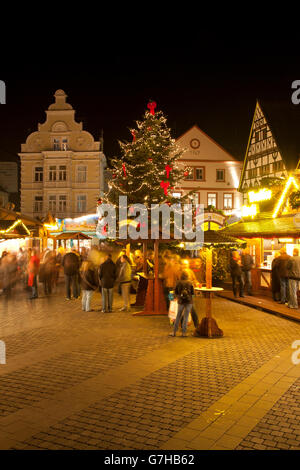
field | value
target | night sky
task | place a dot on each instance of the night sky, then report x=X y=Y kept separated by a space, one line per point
x=211 y=80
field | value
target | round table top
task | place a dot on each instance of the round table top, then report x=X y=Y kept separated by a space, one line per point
x=213 y=289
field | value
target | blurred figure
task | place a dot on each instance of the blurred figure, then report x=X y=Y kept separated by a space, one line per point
x=107 y=277
x=124 y=279
x=283 y=259
x=184 y=292
x=10 y=272
x=71 y=265
x=33 y=270
x=150 y=263
x=191 y=277
x=293 y=267
x=88 y=284
x=170 y=275
x=236 y=273
x=247 y=265
x=49 y=272
x=275 y=279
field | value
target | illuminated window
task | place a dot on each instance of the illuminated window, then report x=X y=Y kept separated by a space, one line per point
x=228 y=201
x=212 y=199
x=220 y=175
x=38 y=174
x=60 y=143
x=176 y=195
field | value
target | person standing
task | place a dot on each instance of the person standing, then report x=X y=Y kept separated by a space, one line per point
x=192 y=278
x=275 y=279
x=88 y=284
x=184 y=292
x=293 y=267
x=170 y=276
x=283 y=275
x=124 y=279
x=71 y=265
x=33 y=270
x=107 y=274
x=236 y=274
x=247 y=265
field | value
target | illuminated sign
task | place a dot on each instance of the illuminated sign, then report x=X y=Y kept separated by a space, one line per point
x=261 y=195
x=249 y=211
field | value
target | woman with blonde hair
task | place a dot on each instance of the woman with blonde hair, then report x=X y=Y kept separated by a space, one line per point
x=88 y=284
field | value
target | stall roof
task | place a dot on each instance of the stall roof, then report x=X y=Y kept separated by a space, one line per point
x=284 y=226
x=72 y=236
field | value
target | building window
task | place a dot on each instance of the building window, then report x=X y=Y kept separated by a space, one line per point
x=212 y=199
x=228 y=201
x=277 y=166
x=194 y=198
x=52 y=173
x=38 y=174
x=200 y=174
x=52 y=204
x=62 y=203
x=220 y=175
x=252 y=173
x=38 y=204
x=62 y=173
x=60 y=143
x=56 y=144
x=190 y=175
x=264 y=170
x=81 y=174
x=81 y=203
x=178 y=195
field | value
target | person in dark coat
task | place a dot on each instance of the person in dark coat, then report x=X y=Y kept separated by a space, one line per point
x=283 y=275
x=184 y=292
x=275 y=279
x=88 y=284
x=71 y=265
x=236 y=274
x=293 y=267
x=247 y=265
x=107 y=275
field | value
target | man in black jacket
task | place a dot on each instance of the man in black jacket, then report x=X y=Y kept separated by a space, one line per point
x=107 y=276
x=247 y=265
x=71 y=265
x=236 y=273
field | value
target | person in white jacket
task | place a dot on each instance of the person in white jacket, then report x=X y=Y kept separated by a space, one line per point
x=124 y=279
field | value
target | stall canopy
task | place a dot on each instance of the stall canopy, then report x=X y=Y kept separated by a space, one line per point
x=9 y=230
x=16 y=225
x=72 y=236
x=267 y=227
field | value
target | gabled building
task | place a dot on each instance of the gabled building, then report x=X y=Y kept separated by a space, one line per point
x=62 y=166
x=273 y=148
x=214 y=175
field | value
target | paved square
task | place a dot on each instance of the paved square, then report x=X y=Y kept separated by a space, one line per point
x=78 y=380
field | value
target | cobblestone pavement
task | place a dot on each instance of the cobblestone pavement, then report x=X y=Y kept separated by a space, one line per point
x=90 y=380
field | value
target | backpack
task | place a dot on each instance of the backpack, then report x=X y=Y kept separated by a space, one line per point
x=184 y=296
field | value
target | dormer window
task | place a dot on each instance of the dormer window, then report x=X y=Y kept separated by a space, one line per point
x=60 y=143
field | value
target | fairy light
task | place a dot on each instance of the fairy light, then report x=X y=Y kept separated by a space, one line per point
x=289 y=182
x=14 y=225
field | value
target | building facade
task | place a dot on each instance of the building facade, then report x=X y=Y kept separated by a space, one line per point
x=62 y=166
x=273 y=148
x=214 y=175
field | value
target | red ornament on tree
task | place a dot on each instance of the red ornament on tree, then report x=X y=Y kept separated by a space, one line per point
x=151 y=106
x=165 y=185
x=99 y=201
x=168 y=169
x=133 y=135
x=124 y=169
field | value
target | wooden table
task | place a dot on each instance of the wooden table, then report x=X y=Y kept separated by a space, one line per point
x=208 y=326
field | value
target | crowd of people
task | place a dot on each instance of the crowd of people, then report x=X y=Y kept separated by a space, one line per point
x=285 y=275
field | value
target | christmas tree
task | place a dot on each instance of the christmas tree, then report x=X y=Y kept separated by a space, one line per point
x=147 y=171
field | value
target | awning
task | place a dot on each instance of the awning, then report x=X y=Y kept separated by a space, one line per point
x=284 y=226
x=72 y=236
